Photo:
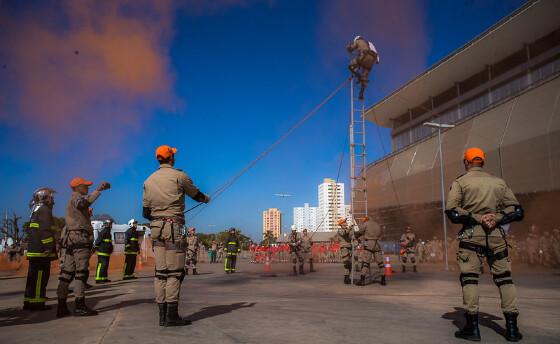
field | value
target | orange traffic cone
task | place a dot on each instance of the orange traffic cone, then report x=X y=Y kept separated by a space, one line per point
x=388 y=269
x=267 y=264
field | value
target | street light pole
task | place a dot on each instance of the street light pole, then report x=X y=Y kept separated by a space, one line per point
x=439 y=126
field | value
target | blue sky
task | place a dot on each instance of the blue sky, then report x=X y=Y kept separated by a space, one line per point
x=239 y=74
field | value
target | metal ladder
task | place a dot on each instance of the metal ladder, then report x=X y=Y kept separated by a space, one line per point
x=358 y=164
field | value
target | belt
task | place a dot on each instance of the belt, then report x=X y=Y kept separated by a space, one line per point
x=170 y=219
x=483 y=250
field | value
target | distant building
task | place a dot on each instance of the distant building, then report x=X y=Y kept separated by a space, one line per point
x=305 y=217
x=331 y=204
x=272 y=221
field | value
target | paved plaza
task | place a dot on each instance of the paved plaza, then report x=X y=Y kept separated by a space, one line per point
x=318 y=308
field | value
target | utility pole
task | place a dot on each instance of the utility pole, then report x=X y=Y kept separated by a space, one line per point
x=439 y=127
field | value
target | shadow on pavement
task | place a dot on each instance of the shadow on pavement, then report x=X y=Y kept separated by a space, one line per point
x=124 y=304
x=484 y=319
x=212 y=311
x=17 y=316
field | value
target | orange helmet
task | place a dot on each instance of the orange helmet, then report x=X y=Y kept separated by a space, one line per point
x=79 y=181
x=341 y=221
x=473 y=153
x=165 y=152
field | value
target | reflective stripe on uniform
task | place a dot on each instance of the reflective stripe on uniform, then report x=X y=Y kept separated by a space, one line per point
x=130 y=252
x=107 y=240
x=38 y=285
x=35 y=299
x=232 y=243
x=33 y=225
x=40 y=254
x=47 y=240
x=103 y=254
x=134 y=239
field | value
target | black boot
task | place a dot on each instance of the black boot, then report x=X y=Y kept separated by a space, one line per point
x=172 y=317
x=311 y=267
x=295 y=271
x=512 y=331
x=403 y=268
x=162 y=311
x=383 y=280
x=194 y=272
x=62 y=309
x=301 y=270
x=81 y=308
x=470 y=331
x=414 y=269
x=362 y=281
x=347 y=279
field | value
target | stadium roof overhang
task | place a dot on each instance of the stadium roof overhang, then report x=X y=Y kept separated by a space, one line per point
x=525 y=25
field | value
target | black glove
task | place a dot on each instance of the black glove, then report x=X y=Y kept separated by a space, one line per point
x=103 y=186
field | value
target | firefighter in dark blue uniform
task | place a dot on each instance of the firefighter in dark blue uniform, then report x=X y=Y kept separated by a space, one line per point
x=131 y=250
x=231 y=249
x=41 y=249
x=104 y=248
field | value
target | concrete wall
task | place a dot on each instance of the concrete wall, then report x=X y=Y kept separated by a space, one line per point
x=521 y=138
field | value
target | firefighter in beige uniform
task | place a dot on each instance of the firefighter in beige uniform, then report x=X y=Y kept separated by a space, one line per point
x=192 y=251
x=77 y=241
x=369 y=234
x=163 y=206
x=482 y=203
x=307 y=244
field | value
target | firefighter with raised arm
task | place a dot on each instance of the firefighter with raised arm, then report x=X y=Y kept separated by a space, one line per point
x=483 y=203
x=164 y=206
x=77 y=242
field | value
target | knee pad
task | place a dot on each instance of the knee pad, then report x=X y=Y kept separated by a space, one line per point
x=66 y=276
x=503 y=279
x=365 y=265
x=468 y=278
x=161 y=274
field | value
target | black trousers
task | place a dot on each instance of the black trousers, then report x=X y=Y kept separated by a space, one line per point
x=37 y=278
x=102 y=270
x=129 y=265
x=231 y=259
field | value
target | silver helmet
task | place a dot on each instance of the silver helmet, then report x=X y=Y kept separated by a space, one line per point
x=108 y=223
x=42 y=196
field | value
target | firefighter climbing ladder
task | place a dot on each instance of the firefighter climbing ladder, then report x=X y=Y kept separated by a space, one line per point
x=357 y=154
x=357 y=161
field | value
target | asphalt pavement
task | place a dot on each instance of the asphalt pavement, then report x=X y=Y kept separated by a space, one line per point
x=249 y=307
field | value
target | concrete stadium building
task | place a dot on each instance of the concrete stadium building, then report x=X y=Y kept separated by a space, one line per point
x=502 y=92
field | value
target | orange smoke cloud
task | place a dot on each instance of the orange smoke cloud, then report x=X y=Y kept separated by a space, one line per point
x=397 y=28
x=87 y=70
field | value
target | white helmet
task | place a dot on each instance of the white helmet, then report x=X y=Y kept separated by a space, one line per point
x=132 y=222
x=357 y=38
x=294 y=227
